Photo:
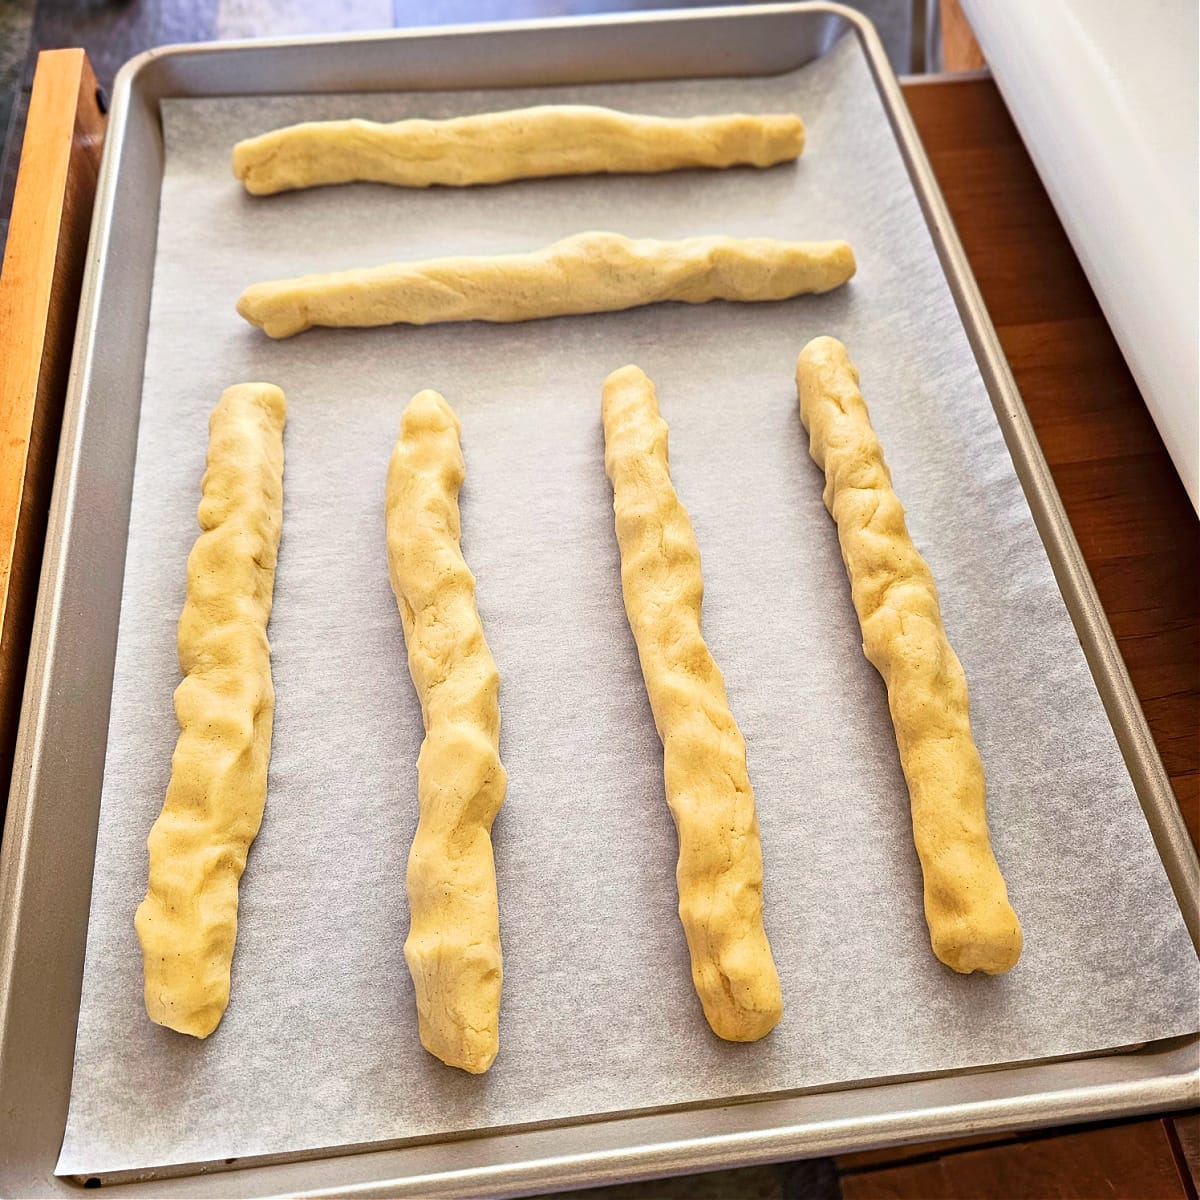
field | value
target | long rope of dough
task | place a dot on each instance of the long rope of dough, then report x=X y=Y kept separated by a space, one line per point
x=453 y=946
x=719 y=873
x=523 y=143
x=187 y=924
x=587 y=273
x=971 y=923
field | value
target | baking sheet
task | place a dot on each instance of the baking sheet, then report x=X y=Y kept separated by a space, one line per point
x=319 y=1047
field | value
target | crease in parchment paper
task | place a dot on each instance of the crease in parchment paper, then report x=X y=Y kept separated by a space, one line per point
x=319 y=1045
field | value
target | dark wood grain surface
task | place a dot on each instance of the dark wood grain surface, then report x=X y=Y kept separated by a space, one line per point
x=1132 y=1161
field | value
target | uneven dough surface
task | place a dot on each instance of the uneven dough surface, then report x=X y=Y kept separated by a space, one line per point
x=453 y=946
x=971 y=923
x=523 y=143
x=586 y=273
x=187 y=924
x=719 y=873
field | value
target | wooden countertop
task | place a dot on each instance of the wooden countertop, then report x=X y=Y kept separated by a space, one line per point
x=1129 y=511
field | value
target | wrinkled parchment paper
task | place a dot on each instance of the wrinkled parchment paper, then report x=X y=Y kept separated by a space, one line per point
x=319 y=1045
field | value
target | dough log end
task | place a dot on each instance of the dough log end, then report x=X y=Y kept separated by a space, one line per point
x=744 y=1009
x=626 y=376
x=990 y=941
x=263 y=305
x=174 y=997
x=732 y=966
x=458 y=1000
x=792 y=136
x=244 y=159
x=823 y=351
x=841 y=266
x=267 y=396
x=773 y=138
x=626 y=387
x=257 y=163
x=429 y=412
x=473 y=1050
x=197 y=1023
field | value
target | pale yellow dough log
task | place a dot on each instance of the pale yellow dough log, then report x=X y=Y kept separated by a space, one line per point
x=187 y=924
x=523 y=143
x=587 y=273
x=453 y=946
x=971 y=924
x=719 y=873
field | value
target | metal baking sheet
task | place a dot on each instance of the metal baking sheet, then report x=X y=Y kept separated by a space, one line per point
x=640 y=1144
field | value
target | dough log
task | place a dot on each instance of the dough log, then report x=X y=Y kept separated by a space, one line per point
x=587 y=273
x=708 y=789
x=971 y=924
x=523 y=143
x=187 y=924
x=453 y=946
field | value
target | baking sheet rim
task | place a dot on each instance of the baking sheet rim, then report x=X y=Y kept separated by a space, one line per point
x=1153 y=789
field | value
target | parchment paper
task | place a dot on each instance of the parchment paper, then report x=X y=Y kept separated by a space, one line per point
x=319 y=1045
